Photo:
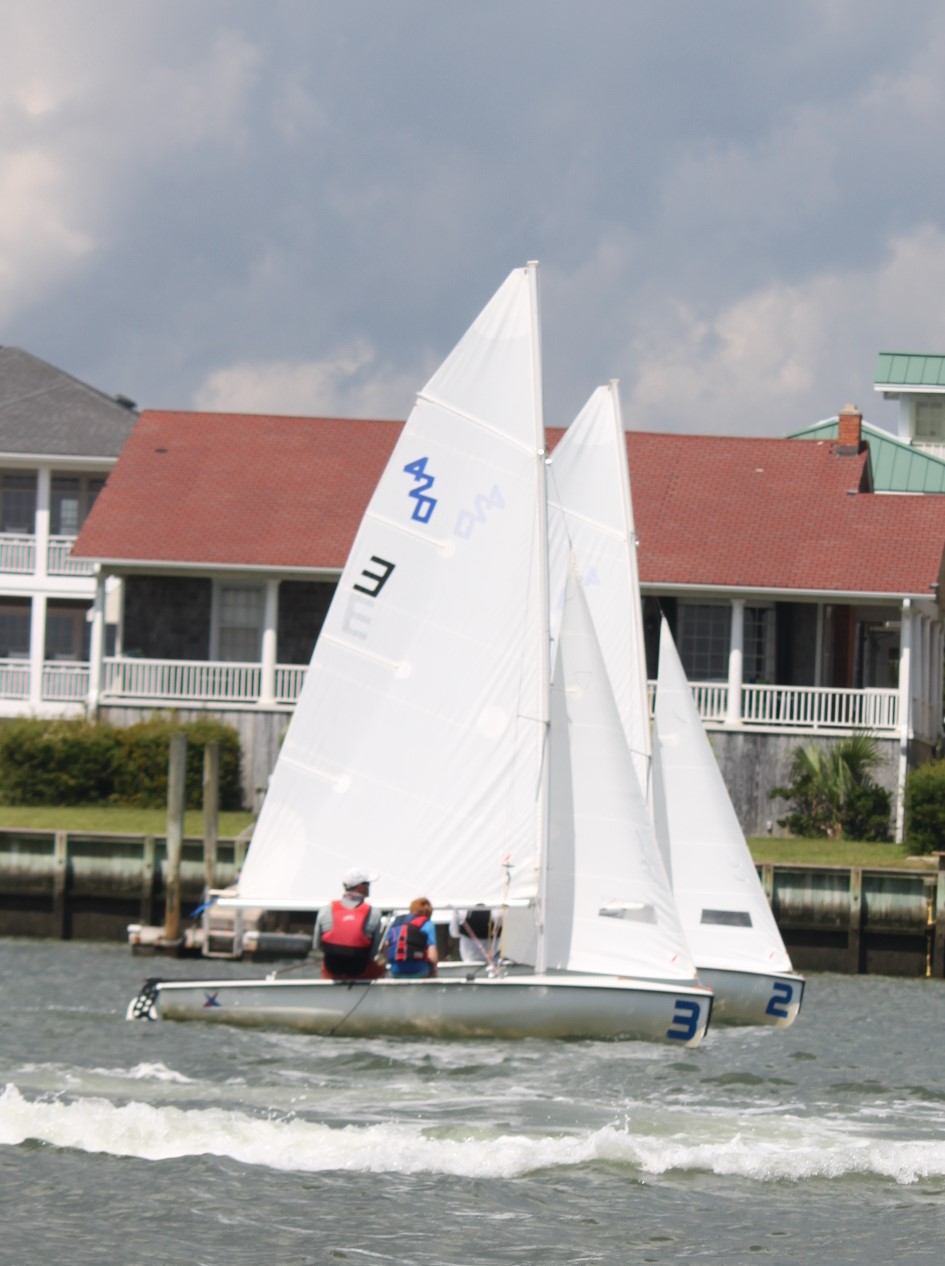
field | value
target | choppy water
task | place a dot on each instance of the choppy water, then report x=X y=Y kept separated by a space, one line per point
x=123 y=1144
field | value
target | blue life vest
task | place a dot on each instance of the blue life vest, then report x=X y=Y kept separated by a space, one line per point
x=406 y=943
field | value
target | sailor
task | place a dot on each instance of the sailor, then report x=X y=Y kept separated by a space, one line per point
x=478 y=933
x=348 y=932
x=411 y=941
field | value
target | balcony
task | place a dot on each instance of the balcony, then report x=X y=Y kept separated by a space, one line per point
x=164 y=681
x=18 y=556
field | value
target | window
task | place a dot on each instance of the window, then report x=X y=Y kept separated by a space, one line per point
x=14 y=630
x=705 y=633
x=758 y=657
x=704 y=639
x=240 y=624
x=71 y=499
x=18 y=503
x=67 y=633
x=929 y=420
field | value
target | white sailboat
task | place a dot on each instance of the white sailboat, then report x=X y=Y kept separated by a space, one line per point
x=731 y=930
x=422 y=745
x=740 y=955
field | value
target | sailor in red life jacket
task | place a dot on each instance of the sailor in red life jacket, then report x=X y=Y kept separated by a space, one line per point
x=348 y=932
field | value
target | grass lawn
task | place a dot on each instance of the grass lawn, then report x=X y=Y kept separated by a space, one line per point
x=100 y=818
x=837 y=853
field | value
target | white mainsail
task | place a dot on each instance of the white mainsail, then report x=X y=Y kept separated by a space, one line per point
x=721 y=902
x=591 y=513
x=416 y=746
x=609 y=907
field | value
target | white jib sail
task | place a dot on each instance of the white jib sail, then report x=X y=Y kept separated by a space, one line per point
x=723 y=908
x=608 y=904
x=589 y=487
x=415 y=749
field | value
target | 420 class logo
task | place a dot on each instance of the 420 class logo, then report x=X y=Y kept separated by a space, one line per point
x=424 y=505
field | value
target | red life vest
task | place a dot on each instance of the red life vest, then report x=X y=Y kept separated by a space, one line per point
x=346 y=946
x=347 y=926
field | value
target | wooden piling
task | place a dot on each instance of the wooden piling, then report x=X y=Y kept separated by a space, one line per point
x=211 y=811
x=176 y=795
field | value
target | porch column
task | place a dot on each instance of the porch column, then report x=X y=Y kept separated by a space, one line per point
x=43 y=487
x=905 y=711
x=37 y=649
x=926 y=667
x=270 y=638
x=733 y=710
x=97 y=643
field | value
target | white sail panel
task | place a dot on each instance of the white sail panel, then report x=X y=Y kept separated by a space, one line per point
x=608 y=903
x=722 y=905
x=415 y=748
x=589 y=487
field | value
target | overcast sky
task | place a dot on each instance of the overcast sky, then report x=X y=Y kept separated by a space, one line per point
x=299 y=206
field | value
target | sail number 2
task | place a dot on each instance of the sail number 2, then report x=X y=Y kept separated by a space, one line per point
x=686 y=1019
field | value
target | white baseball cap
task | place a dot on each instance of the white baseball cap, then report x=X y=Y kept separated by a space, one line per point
x=352 y=878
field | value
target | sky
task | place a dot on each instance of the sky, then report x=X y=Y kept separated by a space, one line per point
x=298 y=206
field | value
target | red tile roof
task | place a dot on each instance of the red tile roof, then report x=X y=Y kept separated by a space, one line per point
x=283 y=493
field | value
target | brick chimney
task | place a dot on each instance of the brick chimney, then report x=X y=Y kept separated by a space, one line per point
x=849 y=434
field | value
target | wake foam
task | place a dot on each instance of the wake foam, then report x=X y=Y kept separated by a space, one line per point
x=781 y=1152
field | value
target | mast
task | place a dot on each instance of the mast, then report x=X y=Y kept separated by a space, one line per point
x=544 y=606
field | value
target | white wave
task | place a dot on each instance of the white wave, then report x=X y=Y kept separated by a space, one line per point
x=147 y=1072
x=805 y=1150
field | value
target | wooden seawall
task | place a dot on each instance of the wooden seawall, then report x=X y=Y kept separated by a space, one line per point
x=71 y=885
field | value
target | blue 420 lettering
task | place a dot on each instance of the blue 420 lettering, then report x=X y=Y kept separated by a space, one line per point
x=686 y=1017
x=424 y=505
x=781 y=997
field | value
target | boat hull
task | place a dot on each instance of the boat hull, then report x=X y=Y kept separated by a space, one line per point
x=749 y=997
x=605 y=1008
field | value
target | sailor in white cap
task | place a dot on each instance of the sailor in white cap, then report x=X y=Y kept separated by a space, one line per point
x=348 y=931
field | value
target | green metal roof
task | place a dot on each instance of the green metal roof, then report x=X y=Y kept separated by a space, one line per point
x=908 y=369
x=896 y=467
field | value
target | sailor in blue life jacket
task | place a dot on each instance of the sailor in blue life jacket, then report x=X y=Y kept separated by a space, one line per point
x=348 y=932
x=477 y=931
x=411 y=942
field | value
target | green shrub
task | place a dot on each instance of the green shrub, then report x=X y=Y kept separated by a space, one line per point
x=832 y=793
x=925 y=807
x=56 y=762
x=84 y=762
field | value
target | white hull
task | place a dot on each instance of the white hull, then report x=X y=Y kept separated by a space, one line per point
x=607 y=1008
x=754 y=997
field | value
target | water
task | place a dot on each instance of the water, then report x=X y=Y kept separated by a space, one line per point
x=124 y=1144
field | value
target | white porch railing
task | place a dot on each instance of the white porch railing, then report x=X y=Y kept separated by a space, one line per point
x=59 y=562
x=177 y=680
x=14 y=679
x=17 y=552
x=820 y=708
x=65 y=682
x=289 y=681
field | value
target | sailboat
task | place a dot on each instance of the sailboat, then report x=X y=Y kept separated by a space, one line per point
x=429 y=747
x=722 y=907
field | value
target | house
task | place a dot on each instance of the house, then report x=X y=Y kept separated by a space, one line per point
x=803 y=602
x=59 y=439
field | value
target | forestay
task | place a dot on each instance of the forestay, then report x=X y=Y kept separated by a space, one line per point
x=722 y=905
x=416 y=746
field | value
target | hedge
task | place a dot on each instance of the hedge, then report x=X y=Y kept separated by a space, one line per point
x=86 y=762
x=925 y=807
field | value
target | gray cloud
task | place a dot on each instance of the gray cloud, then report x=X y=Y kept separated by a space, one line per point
x=735 y=205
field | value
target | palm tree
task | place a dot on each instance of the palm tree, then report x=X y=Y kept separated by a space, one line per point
x=825 y=783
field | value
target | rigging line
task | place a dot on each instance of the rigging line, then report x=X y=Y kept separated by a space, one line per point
x=476 y=421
